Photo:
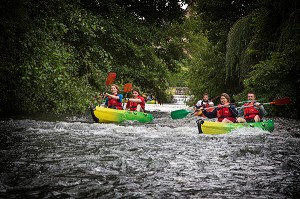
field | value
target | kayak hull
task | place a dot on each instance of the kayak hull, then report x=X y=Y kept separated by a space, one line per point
x=208 y=127
x=107 y=115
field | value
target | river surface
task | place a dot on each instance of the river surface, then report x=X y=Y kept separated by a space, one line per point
x=72 y=157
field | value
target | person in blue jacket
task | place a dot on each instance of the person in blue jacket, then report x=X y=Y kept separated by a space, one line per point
x=224 y=112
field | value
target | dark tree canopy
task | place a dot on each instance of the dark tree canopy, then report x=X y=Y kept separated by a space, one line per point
x=158 y=12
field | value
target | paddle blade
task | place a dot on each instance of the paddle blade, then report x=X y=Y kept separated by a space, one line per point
x=282 y=101
x=178 y=114
x=127 y=87
x=110 y=78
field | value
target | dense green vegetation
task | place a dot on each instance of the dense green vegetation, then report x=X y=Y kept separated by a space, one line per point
x=260 y=51
x=56 y=53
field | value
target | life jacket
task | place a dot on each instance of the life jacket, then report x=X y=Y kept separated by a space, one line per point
x=250 y=112
x=114 y=103
x=224 y=112
x=203 y=104
x=206 y=105
x=133 y=105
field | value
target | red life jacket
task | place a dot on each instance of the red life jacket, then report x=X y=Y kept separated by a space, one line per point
x=250 y=112
x=206 y=105
x=224 y=112
x=114 y=103
x=133 y=105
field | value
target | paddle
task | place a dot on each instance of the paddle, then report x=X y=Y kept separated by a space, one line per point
x=127 y=89
x=178 y=114
x=110 y=78
x=261 y=99
x=282 y=101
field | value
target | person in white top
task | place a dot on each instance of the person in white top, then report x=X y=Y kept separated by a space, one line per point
x=204 y=102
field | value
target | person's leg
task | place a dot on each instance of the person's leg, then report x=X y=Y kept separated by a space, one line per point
x=139 y=108
x=241 y=120
x=257 y=118
x=225 y=120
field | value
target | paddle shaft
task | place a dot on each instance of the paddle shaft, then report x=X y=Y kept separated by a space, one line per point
x=260 y=104
x=216 y=106
x=278 y=102
x=127 y=89
x=262 y=99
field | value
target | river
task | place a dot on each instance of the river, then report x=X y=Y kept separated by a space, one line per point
x=46 y=156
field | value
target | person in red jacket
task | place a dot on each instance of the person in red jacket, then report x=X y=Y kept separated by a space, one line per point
x=137 y=102
x=225 y=111
x=252 y=111
x=114 y=100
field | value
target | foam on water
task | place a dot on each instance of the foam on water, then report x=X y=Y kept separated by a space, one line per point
x=164 y=159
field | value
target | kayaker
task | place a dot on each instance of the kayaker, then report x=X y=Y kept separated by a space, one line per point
x=137 y=102
x=205 y=103
x=114 y=100
x=251 y=111
x=225 y=111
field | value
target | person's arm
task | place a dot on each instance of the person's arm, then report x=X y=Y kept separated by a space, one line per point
x=114 y=96
x=134 y=100
x=261 y=109
x=119 y=97
x=106 y=101
x=142 y=101
x=241 y=111
x=198 y=104
x=233 y=110
x=210 y=114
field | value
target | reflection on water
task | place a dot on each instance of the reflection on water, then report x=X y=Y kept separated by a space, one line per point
x=76 y=158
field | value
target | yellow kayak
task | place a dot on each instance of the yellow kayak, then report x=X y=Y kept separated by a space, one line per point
x=108 y=115
x=208 y=127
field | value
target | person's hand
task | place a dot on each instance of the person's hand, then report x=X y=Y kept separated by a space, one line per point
x=226 y=105
x=257 y=104
x=211 y=104
x=107 y=95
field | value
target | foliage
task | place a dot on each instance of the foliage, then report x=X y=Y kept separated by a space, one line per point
x=159 y=12
x=279 y=75
x=56 y=53
x=60 y=52
x=238 y=57
x=202 y=60
x=261 y=47
x=212 y=21
x=217 y=17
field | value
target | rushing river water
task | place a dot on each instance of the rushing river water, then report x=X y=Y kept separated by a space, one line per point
x=76 y=158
